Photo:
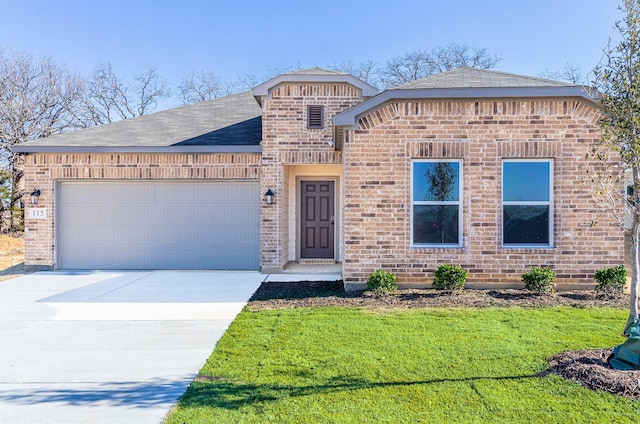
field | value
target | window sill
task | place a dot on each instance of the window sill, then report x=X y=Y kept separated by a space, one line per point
x=527 y=247
x=436 y=246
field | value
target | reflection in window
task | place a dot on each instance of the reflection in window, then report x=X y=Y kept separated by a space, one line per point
x=436 y=203
x=526 y=203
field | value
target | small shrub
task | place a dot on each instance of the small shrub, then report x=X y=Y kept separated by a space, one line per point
x=611 y=280
x=540 y=279
x=450 y=277
x=382 y=282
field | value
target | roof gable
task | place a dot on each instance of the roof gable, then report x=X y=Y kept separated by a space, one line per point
x=314 y=75
x=468 y=83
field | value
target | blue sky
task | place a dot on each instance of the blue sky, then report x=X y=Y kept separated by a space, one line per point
x=241 y=36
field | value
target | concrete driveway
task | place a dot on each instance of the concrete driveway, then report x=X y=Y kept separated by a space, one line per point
x=109 y=347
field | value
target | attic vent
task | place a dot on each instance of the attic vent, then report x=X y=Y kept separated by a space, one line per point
x=314 y=116
x=338 y=137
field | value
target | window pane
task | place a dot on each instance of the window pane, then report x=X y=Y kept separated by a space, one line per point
x=435 y=224
x=526 y=224
x=525 y=181
x=436 y=181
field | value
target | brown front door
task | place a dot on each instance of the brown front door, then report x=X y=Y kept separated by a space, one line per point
x=317 y=220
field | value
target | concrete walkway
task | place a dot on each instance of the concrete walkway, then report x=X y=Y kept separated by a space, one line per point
x=109 y=347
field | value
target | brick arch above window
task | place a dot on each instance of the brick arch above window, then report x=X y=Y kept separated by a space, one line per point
x=529 y=149
x=439 y=149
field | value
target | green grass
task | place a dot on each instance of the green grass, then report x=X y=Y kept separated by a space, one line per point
x=338 y=365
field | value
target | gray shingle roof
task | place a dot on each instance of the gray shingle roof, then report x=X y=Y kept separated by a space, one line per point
x=466 y=77
x=229 y=121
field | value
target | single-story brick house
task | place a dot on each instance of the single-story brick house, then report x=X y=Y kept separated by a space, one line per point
x=479 y=168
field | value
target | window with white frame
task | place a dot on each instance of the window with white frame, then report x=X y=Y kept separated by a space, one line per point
x=436 y=203
x=527 y=202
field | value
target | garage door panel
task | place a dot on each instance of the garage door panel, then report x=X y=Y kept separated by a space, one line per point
x=158 y=225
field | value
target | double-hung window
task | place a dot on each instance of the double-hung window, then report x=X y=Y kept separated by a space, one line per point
x=527 y=203
x=436 y=203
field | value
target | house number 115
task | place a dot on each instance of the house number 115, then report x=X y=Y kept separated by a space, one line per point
x=37 y=213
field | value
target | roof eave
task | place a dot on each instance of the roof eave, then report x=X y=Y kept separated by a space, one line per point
x=26 y=148
x=349 y=118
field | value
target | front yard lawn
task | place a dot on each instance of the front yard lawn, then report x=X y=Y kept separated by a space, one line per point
x=348 y=365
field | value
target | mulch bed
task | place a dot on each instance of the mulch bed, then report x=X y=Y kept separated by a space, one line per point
x=297 y=295
x=587 y=367
x=590 y=369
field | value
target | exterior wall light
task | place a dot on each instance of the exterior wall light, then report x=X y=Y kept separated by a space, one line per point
x=268 y=197
x=35 y=195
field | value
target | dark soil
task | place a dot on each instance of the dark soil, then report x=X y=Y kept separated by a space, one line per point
x=296 y=295
x=587 y=367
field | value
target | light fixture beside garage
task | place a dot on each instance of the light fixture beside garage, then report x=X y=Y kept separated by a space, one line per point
x=268 y=197
x=35 y=195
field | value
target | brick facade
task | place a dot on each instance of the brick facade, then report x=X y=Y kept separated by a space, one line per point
x=45 y=170
x=377 y=210
x=372 y=171
x=287 y=141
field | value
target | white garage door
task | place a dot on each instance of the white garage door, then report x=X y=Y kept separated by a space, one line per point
x=158 y=225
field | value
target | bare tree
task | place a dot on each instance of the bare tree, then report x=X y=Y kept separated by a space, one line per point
x=567 y=73
x=365 y=70
x=37 y=99
x=456 y=55
x=148 y=89
x=248 y=81
x=202 y=86
x=420 y=63
x=109 y=98
x=408 y=67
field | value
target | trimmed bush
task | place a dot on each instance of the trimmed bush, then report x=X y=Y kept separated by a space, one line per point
x=540 y=280
x=611 y=280
x=382 y=282
x=450 y=277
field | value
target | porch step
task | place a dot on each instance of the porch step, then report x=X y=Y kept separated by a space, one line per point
x=323 y=271
x=317 y=261
x=299 y=277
